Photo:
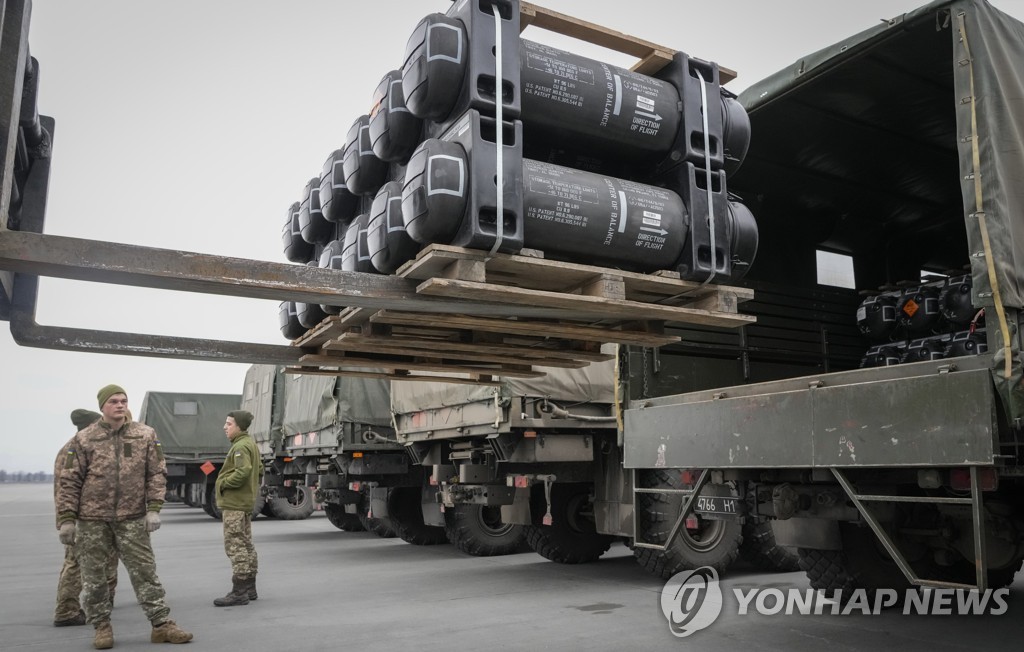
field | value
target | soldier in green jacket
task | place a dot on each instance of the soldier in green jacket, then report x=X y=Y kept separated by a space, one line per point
x=237 y=485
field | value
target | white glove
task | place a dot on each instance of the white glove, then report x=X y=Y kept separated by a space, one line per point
x=67 y=533
x=152 y=521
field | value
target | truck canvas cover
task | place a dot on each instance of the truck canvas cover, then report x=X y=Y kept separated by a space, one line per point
x=594 y=383
x=260 y=394
x=189 y=425
x=313 y=403
x=873 y=139
x=893 y=146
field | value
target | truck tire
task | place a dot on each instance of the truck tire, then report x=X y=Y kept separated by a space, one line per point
x=759 y=548
x=258 y=505
x=189 y=496
x=713 y=543
x=341 y=519
x=294 y=508
x=479 y=531
x=210 y=501
x=861 y=564
x=407 y=518
x=998 y=578
x=379 y=526
x=265 y=510
x=572 y=537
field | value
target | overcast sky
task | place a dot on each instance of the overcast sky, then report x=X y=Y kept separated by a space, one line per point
x=194 y=124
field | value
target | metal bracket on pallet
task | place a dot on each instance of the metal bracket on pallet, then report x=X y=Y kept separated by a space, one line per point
x=977 y=517
x=684 y=509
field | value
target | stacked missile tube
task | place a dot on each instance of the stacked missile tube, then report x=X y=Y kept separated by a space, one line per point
x=590 y=163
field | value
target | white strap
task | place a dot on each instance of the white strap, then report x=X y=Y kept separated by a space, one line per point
x=499 y=145
x=707 y=176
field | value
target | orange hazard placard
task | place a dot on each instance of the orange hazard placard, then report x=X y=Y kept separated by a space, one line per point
x=910 y=307
x=207 y=467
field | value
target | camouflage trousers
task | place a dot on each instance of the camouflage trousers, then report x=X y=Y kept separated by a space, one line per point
x=238 y=543
x=96 y=541
x=69 y=585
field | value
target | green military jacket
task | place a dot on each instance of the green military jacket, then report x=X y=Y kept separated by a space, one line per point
x=239 y=479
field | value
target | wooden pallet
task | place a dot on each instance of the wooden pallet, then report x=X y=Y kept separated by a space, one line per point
x=608 y=306
x=652 y=57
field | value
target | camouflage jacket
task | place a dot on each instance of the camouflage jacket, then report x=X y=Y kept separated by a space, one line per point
x=58 y=466
x=112 y=475
x=238 y=482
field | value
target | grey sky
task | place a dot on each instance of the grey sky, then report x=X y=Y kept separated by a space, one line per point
x=194 y=124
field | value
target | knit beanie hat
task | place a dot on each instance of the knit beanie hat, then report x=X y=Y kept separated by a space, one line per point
x=109 y=391
x=243 y=419
x=83 y=418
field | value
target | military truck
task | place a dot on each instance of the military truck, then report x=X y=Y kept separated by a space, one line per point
x=539 y=460
x=191 y=431
x=899 y=150
x=326 y=440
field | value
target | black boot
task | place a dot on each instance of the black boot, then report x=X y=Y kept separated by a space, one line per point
x=251 y=588
x=238 y=595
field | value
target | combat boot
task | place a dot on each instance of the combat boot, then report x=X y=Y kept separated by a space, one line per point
x=251 y=592
x=77 y=619
x=104 y=637
x=239 y=594
x=169 y=632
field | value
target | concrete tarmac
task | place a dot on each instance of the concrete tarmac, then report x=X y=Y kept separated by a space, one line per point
x=321 y=588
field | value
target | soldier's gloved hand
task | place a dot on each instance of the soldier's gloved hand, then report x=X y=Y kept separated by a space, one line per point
x=152 y=521
x=67 y=533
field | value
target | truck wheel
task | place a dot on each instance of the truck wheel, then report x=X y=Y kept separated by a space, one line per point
x=210 y=502
x=189 y=496
x=258 y=505
x=479 y=531
x=265 y=510
x=759 y=548
x=294 y=508
x=379 y=526
x=407 y=518
x=861 y=564
x=341 y=519
x=998 y=578
x=572 y=537
x=711 y=543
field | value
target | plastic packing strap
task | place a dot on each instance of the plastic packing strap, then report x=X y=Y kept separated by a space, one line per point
x=707 y=176
x=498 y=139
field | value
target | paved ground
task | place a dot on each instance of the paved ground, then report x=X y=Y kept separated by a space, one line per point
x=321 y=588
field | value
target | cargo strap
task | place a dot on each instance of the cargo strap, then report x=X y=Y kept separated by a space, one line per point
x=979 y=205
x=707 y=176
x=498 y=138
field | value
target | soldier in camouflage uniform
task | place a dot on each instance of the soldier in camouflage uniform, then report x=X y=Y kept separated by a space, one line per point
x=69 y=586
x=237 y=485
x=112 y=487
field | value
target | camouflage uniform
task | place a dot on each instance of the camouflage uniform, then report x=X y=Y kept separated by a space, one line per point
x=69 y=585
x=109 y=480
x=238 y=543
x=237 y=485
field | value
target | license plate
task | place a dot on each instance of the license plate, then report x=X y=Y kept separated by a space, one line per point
x=716 y=505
